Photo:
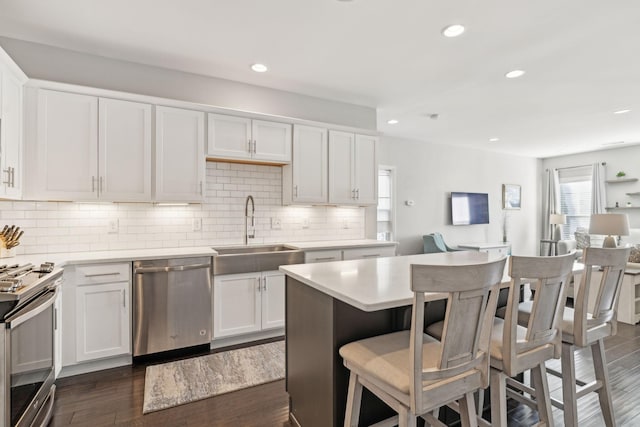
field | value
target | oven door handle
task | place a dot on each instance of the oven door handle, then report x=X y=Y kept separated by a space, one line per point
x=39 y=305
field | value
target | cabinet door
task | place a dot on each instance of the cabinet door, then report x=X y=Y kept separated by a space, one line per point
x=271 y=141
x=236 y=304
x=341 y=186
x=272 y=300
x=180 y=159
x=310 y=157
x=229 y=137
x=366 y=170
x=124 y=150
x=67 y=146
x=11 y=137
x=102 y=321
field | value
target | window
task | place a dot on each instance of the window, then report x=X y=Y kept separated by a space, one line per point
x=385 y=216
x=575 y=198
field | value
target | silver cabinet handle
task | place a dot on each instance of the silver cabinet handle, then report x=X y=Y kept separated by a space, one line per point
x=115 y=273
x=55 y=319
x=249 y=146
x=124 y=298
x=100 y=188
x=259 y=283
x=8 y=181
x=264 y=284
x=357 y=194
x=93 y=184
x=255 y=143
x=370 y=256
x=295 y=191
x=13 y=177
x=327 y=258
x=201 y=189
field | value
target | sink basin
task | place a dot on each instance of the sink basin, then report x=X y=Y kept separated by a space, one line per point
x=240 y=250
x=248 y=259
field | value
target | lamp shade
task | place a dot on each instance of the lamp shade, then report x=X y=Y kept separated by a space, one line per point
x=609 y=224
x=557 y=219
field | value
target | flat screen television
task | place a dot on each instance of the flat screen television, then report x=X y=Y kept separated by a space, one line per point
x=469 y=208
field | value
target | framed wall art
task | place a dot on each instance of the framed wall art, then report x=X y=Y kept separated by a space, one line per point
x=511 y=196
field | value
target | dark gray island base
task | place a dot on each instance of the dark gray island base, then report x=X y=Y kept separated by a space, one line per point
x=317 y=325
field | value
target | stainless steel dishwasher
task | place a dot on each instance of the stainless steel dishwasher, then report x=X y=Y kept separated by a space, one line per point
x=172 y=304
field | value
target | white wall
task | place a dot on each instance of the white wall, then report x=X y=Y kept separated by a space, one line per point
x=72 y=227
x=626 y=159
x=50 y=63
x=427 y=173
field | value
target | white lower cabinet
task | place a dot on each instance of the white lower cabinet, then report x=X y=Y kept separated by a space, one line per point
x=247 y=302
x=102 y=327
x=96 y=321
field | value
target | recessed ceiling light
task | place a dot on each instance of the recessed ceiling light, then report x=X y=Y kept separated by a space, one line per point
x=453 y=30
x=514 y=74
x=494 y=139
x=621 y=111
x=392 y=122
x=259 y=68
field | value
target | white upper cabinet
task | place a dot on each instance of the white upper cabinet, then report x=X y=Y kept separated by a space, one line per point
x=239 y=138
x=66 y=146
x=180 y=155
x=10 y=135
x=90 y=148
x=124 y=150
x=305 y=179
x=353 y=167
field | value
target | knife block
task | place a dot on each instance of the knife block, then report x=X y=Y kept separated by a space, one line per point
x=7 y=253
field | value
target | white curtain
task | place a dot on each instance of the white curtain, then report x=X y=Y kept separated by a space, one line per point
x=551 y=203
x=598 y=194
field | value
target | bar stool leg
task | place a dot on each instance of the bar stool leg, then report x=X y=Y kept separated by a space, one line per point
x=569 y=386
x=467 y=411
x=354 y=398
x=498 y=399
x=539 y=379
x=602 y=375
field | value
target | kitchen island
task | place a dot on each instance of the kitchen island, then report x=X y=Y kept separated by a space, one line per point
x=334 y=303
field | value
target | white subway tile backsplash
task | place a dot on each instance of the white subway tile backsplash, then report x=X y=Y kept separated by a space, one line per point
x=74 y=227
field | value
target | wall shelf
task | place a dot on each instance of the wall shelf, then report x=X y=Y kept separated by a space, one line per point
x=621 y=180
x=621 y=207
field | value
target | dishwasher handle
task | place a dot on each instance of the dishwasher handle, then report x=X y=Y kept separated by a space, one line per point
x=142 y=270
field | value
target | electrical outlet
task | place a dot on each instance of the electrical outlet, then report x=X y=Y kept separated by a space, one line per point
x=113 y=226
x=276 y=223
x=345 y=223
x=196 y=224
x=305 y=222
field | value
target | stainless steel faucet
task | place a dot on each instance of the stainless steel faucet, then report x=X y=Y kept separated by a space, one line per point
x=248 y=235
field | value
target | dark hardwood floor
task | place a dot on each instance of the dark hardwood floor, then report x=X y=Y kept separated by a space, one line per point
x=114 y=397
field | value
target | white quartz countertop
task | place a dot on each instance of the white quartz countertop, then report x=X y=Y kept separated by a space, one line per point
x=335 y=244
x=375 y=283
x=62 y=259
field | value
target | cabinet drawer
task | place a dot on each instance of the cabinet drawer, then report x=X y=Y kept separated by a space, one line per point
x=102 y=273
x=371 y=252
x=322 y=256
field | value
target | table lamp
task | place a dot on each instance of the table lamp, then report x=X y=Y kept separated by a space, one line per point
x=557 y=220
x=609 y=225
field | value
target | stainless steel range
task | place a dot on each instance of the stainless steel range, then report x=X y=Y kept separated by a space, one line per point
x=27 y=294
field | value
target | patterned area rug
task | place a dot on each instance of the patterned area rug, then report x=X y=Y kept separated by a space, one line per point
x=184 y=381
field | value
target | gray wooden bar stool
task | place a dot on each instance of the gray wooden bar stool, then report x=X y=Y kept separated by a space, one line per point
x=415 y=374
x=516 y=349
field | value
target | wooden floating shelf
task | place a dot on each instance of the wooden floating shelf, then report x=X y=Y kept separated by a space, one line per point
x=621 y=180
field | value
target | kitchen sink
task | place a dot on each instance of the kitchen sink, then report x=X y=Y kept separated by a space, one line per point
x=248 y=259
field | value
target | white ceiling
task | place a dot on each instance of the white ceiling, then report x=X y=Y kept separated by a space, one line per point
x=581 y=59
